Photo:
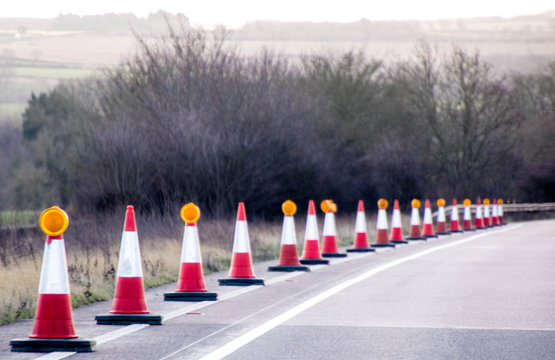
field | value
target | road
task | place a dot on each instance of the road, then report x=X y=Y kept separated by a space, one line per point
x=478 y=295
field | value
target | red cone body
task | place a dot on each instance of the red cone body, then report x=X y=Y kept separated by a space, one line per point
x=288 y=254
x=311 y=248
x=129 y=297
x=382 y=236
x=428 y=227
x=329 y=242
x=191 y=276
x=396 y=227
x=241 y=260
x=54 y=319
x=361 y=229
x=454 y=224
x=478 y=219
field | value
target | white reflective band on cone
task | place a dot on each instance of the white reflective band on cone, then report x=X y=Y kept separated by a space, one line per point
x=427 y=216
x=241 y=238
x=441 y=214
x=455 y=213
x=53 y=275
x=190 y=251
x=466 y=215
x=360 y=223
x=415 y=217
x=479 y=211
x=311 y=230
x=486 y=211
x=494 y=210
x=396 y=219
x=288 y=236
x=329 y=224
x=129 y=264
x=500 y=210
x=382 y=219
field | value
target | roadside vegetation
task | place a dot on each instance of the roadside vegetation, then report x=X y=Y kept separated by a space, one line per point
x=188 y=118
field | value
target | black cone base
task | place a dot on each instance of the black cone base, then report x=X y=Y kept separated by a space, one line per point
x=334 y=255
x=416 y=238
x=190 y=296
x=49 y=345
x=240 y=281
x=445 y=233
x=469 y=229
x=314 y=261
x=456 y=231
x=288 y=268
x=383 y=245
x=368 y=249
x=430 y=236
x=128 y=319
x=399 y=242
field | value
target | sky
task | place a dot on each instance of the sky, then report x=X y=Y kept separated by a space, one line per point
x=237 y=12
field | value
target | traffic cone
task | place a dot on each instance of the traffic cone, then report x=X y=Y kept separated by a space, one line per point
x=478 y=217
x=190 y=285
x=441 y=226
x=288 y=258
x=360 y=243
x=129 y=305
x=396 y=227
x=500 y=212
x=311 y=249
x=382 y=238
x=487 y=214
x=467 y=217
x=454 y=225
x=415 y=233
x=241 y=271
x=494 y=216
x=329 y=242
x=53 y=329
x=428 y=226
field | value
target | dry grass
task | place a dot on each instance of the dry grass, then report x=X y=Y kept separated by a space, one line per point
x=92 y=247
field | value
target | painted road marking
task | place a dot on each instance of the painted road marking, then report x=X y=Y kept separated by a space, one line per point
x=255 y=333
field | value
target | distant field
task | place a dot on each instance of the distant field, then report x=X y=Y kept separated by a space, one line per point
x=48 y=72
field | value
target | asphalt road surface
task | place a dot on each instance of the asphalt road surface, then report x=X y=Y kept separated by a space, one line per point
x=477 y=295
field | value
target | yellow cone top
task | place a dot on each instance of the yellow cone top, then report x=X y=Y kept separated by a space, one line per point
x=415 y=203
x=486 y=202
x=53 y=221
x=333 y=207
x=467 y=202
x=289 y=208
x=500 y=201
x=326 y=205
x=190 y=213
x=441 y=202
x=382 y=204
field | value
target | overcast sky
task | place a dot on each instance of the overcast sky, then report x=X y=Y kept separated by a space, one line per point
x=237 y=12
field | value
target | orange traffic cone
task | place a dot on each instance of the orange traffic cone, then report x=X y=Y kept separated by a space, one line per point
x=241 y=271
x=288 y=258
x=129 y=305
x=454 y=225
x=311 y=249
x=500 y=212
x=360 y=243
x=396 y=227
x=190 y=285
x=428 y=226
x=478 y=218
x=487 y=214
x=53 y=329
x=494 y=216
x=415 y=233
x=382 y=238
x=467 y=217
x=329 y=242
x=441 y=226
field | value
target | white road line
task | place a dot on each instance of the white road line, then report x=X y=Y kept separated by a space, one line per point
x=56 y=355
x=253 y=334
